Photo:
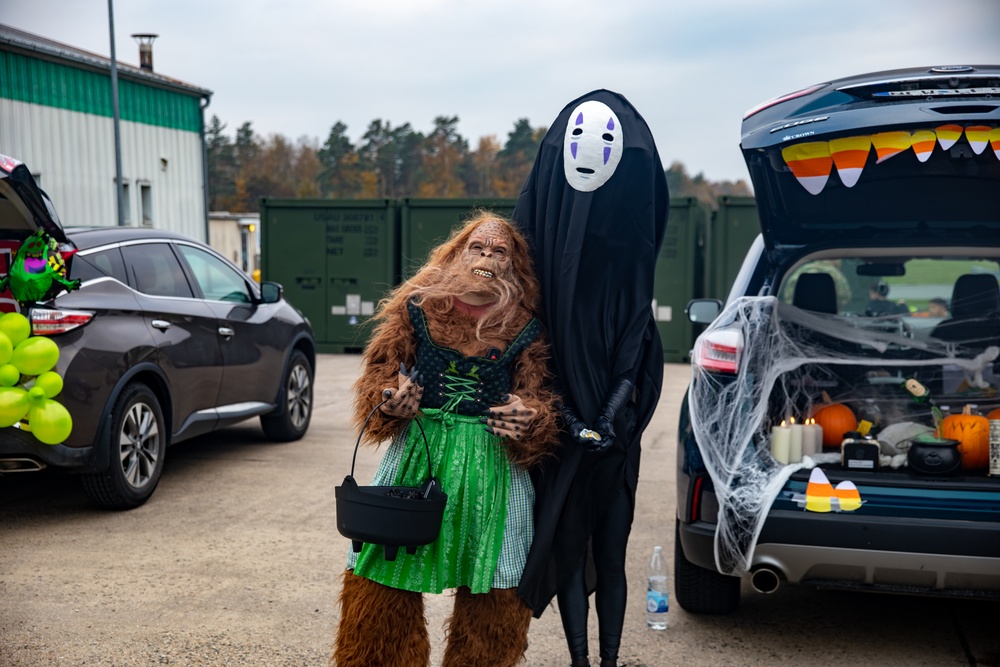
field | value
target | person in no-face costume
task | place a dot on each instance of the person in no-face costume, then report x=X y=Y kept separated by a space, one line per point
x=594 y=210
x=458 y=347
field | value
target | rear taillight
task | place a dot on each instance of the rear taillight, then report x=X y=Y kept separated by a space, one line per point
x=784 y=98
x=719 y=351
x=46 y=322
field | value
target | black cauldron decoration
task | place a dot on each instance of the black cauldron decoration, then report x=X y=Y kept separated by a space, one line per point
x=392 y=516
x=933 y=456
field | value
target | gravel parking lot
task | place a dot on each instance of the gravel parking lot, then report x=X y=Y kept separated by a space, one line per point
x=235 y=561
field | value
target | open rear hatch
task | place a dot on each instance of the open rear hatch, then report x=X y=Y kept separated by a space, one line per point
x=909 y=156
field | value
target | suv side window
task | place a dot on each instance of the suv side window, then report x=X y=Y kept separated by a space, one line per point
x=218 y=281
x=100 y=264
x=155 y=270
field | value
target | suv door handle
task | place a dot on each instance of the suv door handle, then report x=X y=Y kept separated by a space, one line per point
x=227 y=332
x=162 y=325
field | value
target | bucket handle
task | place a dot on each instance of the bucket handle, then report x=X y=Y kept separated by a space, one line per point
x=430 y=473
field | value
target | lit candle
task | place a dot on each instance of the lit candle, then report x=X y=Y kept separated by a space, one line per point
x=812 y=438
x=780 y=442
x=794 y=442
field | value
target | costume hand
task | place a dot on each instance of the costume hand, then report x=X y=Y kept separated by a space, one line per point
x=607 y=433
x=581 y=434
x=511 y=419
x=404 y=401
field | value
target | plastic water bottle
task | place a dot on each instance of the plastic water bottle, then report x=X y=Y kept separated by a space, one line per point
x=657 y=596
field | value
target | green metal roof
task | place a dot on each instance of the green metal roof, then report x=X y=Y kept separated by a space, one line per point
x=39 y=71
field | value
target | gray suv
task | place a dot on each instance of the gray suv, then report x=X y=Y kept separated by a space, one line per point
x=836 y=430
x=163 y=340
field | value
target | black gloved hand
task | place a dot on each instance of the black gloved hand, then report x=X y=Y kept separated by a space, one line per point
x=604 y=425
x=575 y=426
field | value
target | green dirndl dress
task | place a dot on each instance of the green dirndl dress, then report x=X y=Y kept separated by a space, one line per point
x=488 y=525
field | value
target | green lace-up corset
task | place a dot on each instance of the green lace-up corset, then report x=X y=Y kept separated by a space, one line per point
x=460 y=384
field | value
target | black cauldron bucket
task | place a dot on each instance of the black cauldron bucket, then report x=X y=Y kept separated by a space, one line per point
x=392 y=516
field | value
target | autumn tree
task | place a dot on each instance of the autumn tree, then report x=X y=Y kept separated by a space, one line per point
x=443 y=161
x=221 y=164
x=340 y=165
x=515 y=159
x=392 y=155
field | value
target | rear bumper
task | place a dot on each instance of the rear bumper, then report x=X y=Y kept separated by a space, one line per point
x=18 y=447
x=869 y=553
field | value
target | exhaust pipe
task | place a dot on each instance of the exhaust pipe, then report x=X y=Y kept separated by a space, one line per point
x=20 y=465
x=765 y=580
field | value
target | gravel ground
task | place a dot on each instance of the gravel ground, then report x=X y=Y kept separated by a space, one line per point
x=235 y=561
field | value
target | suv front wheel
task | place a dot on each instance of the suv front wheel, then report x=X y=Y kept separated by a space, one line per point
x=136 y=447
x=291 y=420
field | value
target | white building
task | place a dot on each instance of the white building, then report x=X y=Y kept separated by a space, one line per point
x=57 y=116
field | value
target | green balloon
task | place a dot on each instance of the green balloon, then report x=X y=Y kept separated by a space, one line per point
x=35 y=355
x=9 y=376
x=16 y=326
x=49 y=382
x=6 y=348
x=50 y=422
x=14 y=404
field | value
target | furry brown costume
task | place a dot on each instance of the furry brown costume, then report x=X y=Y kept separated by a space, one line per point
x=477 y=292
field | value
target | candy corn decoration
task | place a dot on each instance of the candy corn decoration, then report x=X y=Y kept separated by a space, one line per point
x=810 y=163
x=890 y=144
x=948 y=135
x=821 y=496
x=849 y=155
x=923 y=144
x=979 y=137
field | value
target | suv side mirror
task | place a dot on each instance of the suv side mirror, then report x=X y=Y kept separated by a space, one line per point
x=703 y=311
x=270 y=292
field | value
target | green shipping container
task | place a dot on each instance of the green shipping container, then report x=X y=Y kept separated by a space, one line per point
x=732 y=231
x=335 y=258
x=678 y=276
x=425 y=223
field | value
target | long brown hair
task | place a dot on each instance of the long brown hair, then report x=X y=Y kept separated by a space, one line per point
x=436 y=285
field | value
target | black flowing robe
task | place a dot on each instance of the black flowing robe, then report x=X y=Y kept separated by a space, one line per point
x=595 y=256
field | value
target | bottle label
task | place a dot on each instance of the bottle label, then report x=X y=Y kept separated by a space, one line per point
x=656 y=603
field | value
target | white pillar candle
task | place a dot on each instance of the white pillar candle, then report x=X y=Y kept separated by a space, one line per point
x=812 y=438
x=795 y=442
x=780 y=441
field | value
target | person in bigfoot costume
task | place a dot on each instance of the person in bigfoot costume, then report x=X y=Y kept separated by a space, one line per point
x=594 y=211
x=458 y=347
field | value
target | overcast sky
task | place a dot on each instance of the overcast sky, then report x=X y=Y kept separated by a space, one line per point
x=295 y=67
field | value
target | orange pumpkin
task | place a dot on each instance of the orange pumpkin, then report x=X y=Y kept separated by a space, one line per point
x=836 y=419
x=994 y=414
x=973 y=435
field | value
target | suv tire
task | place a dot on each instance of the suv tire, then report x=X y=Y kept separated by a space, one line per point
x=291 y=420
x=136 y=445
x=702 y=591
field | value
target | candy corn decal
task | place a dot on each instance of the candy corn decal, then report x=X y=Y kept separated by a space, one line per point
x=948 y=135
x=889 y=144
x=849 y=155
x=923 y=144
x=821 y=496
x=810 y=163
x=979 y=137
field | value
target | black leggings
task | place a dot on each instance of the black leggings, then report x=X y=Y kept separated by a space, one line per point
x=608 y=545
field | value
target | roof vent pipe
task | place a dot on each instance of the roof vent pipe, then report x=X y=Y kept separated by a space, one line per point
x=145 y=42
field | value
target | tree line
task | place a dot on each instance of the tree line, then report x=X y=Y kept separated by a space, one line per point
x=390 y=162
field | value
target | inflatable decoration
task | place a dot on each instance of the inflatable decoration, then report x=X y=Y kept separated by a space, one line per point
x=38 y=268
x=28 y=384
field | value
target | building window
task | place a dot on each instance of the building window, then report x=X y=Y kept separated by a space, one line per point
x=126 y=204
x=146 y=202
